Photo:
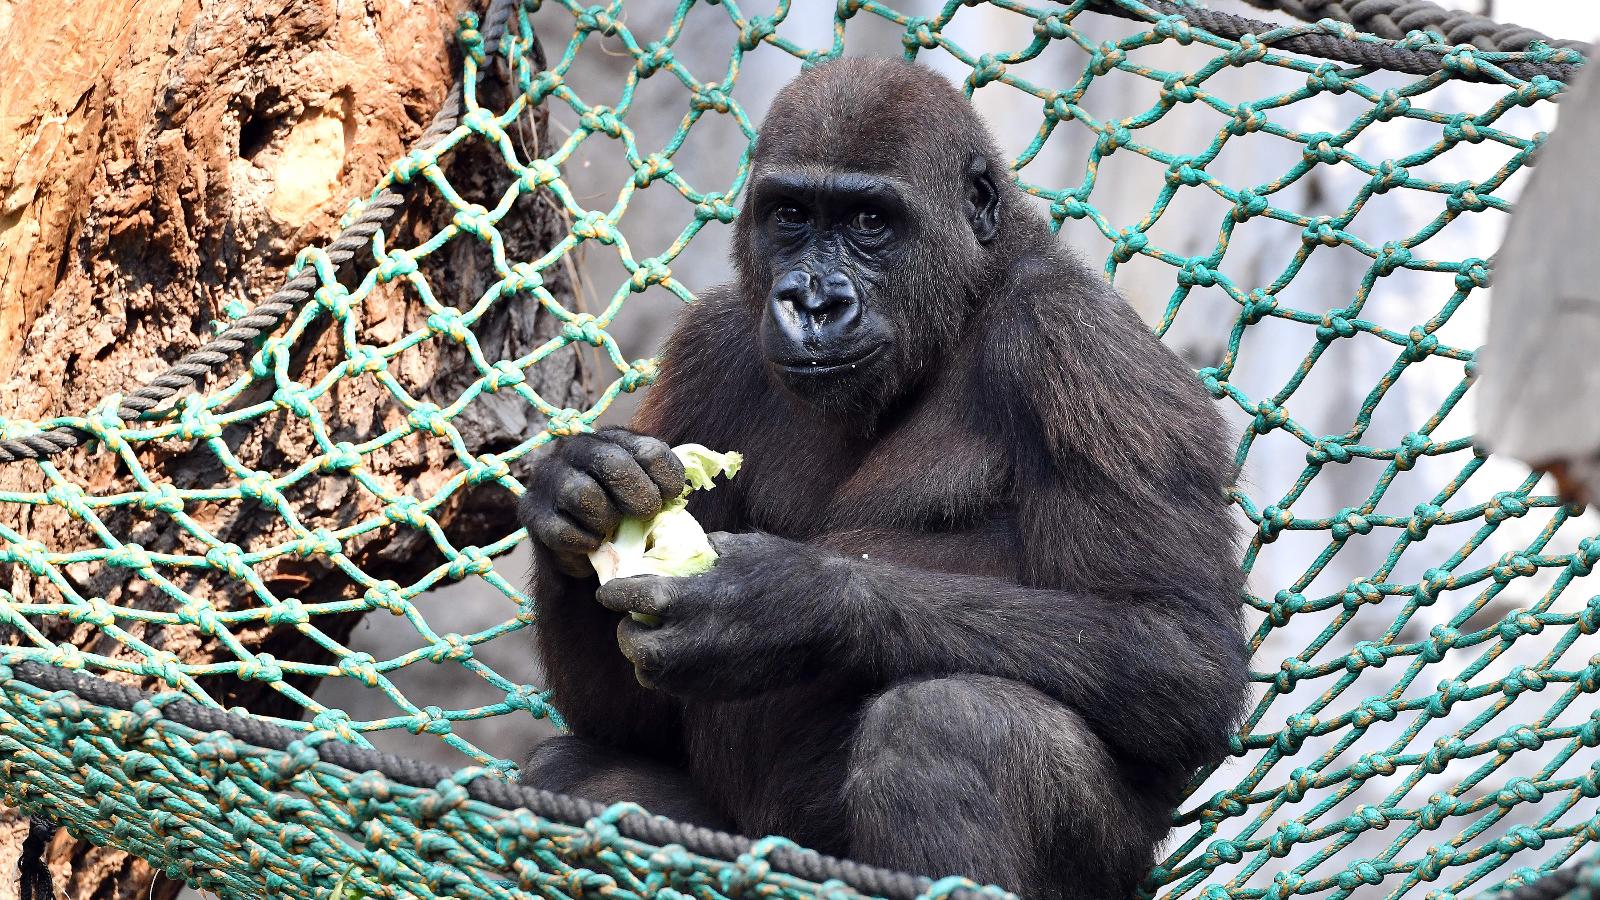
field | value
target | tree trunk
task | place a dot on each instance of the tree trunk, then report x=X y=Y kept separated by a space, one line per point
x=161 y=159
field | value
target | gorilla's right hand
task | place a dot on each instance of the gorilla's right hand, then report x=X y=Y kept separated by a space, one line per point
x=581 y=488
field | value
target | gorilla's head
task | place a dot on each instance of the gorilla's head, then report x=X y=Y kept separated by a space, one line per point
x=876 y=209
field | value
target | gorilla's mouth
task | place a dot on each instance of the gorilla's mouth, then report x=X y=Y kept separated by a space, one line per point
x=829 y=365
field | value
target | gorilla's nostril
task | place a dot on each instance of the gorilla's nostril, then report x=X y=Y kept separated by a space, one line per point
x=795 y=287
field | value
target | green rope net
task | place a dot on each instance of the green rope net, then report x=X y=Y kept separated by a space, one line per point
x=1428 y=724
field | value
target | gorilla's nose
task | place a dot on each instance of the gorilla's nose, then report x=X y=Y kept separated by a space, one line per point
x=818 y=301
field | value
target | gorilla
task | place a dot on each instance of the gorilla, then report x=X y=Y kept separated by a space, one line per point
x=976 y=603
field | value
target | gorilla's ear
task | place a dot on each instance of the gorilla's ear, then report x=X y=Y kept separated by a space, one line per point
x=983 y=199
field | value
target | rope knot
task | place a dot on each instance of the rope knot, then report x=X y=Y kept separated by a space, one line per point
x=1360 y=872
x=449 y=323
x=1359 y=593
x=1112 y=136
x=260 y=667
x=1182 y=171
x=651 y=169
x=1301 y=781
x=1287 y=835
x=430 y=719
x=1334 y=326
x=1376 y=709
x=1290 y=671
x=1128 y=244
x=1320 y=231
x=1473 y=273
x=566 y=422
x=364 y=358
x=1295 y=731
x=717 y=207
x=360 y=667
x=1349 y=521
x=1249 y=50
x=1391 y=256
x=1070 y=208
x=229 y=558
x=537 y=174
x=1175 y=27
x=1050 y=26
x=127 y=556
x=1326 y=77
x=1441 y=638
x=1432 y=815
x=406 y=510
x=289 y=611
x=710 y=97
x=476 y=221
x=1423 y=517
x=487 y=467
x=641 y=373
x=1274 y=520
x=1366 y=654
x=1195 y=272
x=1246 y=119
x=1391 y=105
x=583 y=328
x=484 y=123
x=1284 y=605
x=430 y=418
x=1105 y=57
x=342 y=458
x=1328 y=450
x=469 y=561
x=988 y=68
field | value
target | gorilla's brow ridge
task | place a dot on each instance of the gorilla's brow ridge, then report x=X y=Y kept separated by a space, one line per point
x=813 y=183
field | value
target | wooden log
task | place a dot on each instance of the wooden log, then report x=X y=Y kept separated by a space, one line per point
x=160 y=159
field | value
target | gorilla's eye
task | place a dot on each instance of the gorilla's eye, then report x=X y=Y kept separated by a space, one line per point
x=867 y=221
x=789 y=215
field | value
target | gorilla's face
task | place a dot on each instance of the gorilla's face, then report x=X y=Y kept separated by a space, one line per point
x=861 y=296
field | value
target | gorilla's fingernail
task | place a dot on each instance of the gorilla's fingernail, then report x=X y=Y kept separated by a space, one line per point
x=645 y=619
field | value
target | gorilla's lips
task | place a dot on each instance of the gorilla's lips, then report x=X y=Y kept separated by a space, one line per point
x=828 y=365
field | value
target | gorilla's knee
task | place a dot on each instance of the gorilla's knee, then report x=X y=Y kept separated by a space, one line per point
x=988 y=769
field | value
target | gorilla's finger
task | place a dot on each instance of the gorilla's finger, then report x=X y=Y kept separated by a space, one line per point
x=624 y=481
x=585 y=501
x=641 y=645
x=562 y=534
x=725 y=542
x=648 y=595
x=655 y=457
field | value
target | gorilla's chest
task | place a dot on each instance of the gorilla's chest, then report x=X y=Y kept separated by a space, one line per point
x=915 y=479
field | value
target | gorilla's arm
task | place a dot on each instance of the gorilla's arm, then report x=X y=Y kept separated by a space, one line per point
x=599 y=696
x=1154 y=676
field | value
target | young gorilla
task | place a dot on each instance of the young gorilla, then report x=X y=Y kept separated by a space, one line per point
x=976 y=607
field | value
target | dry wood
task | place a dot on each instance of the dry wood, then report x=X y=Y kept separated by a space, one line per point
x=161 y=158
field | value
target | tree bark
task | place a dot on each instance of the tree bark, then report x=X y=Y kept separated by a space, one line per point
x=160 y=159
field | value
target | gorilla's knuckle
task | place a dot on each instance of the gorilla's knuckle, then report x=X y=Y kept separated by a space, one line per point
x=581 y=495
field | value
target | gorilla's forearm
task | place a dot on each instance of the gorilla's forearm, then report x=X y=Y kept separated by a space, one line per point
x=1154 y=676
x=589 y=680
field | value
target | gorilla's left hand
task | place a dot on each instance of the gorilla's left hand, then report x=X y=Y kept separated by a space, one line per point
x=756 y=621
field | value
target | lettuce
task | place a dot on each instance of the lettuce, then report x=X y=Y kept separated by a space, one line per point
x=671 y=543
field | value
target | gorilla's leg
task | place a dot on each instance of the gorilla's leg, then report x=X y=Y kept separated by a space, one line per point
x=984 y=777
x=583 y=768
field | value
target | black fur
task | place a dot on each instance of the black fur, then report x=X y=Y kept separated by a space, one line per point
x=977 y=609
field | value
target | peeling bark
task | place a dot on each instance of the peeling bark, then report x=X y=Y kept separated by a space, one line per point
x=162 y=158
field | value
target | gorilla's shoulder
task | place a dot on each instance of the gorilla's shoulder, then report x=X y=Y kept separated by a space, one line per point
x=1078 y=373
x=711 y=333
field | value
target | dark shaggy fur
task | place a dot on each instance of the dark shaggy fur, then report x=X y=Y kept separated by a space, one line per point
x=977 y=612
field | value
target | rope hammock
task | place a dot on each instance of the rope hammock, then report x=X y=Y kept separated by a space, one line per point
x=1427 y=727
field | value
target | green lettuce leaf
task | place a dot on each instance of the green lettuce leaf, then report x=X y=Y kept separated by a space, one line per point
x=671 y=543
